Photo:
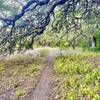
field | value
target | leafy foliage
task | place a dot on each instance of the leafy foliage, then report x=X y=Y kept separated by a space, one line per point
x=78 y=77
x=33 y=16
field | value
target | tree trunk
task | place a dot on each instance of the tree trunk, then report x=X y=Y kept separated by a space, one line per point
x=93 y=42
x=31 y=44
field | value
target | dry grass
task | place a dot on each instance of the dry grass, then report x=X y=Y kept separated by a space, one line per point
x=19 y=75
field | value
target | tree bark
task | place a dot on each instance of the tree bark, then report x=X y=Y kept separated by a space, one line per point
x=93 y=42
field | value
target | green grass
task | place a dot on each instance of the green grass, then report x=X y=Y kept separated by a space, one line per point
x=78 y=77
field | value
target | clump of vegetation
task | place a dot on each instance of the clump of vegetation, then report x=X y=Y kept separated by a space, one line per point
x=20 y=93
x=31 y=69
x=1 y=67
x=77 y=77
x=43 y=53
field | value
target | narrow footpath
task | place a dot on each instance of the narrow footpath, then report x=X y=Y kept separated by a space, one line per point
x=42 y=89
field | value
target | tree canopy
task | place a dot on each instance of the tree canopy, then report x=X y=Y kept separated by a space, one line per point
x=22 y=18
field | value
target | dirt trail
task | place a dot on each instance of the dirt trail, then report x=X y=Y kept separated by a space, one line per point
x=42 y=89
